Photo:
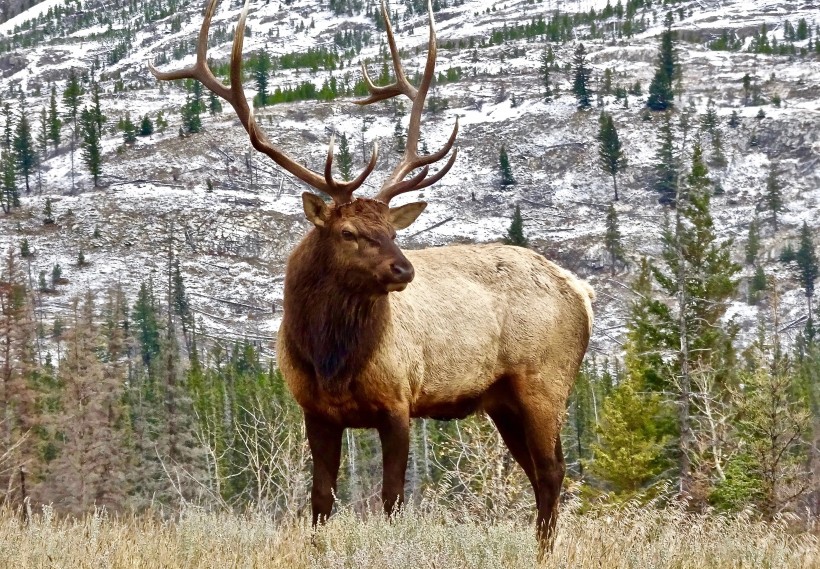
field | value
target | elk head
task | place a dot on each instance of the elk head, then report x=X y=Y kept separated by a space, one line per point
x=354 y=236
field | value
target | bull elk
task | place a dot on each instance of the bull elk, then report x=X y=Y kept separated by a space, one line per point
x=372 y=337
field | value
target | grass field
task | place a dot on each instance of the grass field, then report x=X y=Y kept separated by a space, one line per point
x=624 y=538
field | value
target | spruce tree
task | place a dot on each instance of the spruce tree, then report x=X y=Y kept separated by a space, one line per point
x=9 y=194
x=345 y=159
x=96 y=109
x=48 y=213
x=772 y=200
x=505 y=169
x=146 y=126
x=515 y=233
x=260 y=70
x=214 y=105
x=24 y=150
x=612 y=239
x=128 y=128
x=630 y=450
x=8 y=129
x=806 y=259
x=580 y=84
x=610 y=152
x=71 y=99
x=92 y=149
x=734 y=120
x=661 y=95
x=666 y=177
x=192 y=108
x=753 y=242
x=54 y=123
x=547 y=61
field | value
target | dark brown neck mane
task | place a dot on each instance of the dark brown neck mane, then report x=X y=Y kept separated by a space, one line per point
x=332 y=329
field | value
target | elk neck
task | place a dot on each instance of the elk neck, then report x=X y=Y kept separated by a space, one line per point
x=332 y=329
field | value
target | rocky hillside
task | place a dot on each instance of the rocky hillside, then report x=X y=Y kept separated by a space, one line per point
x=232 y=216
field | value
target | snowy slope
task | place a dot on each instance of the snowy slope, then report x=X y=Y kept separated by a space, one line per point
x=233 y=242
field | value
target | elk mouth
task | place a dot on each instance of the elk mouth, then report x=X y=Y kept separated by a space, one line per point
x=396 y=287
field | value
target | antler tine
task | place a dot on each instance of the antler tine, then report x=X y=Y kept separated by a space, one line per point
x=341 y=192
x=395 y=183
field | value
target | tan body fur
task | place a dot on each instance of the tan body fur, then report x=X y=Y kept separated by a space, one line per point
x=473 y=316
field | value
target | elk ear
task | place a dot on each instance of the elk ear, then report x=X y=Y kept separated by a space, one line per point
x=404 y=215
x=316 y=210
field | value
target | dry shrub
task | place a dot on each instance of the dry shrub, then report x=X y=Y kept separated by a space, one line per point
x=625 y=537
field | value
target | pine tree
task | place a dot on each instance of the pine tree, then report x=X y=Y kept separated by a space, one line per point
x=580 y=85
x=515 y=234
x=128 y=128
x=345 y=159
x=630 y=453
x=71 y=99
x=145 y=324
x=610 y=152
x=399 y=136
x=92 y=149
x=146 y=126
x=192 y=108
x=666 y=181
x=8 y=129
x=772 y=200
x=214 y=105
x=734 y=120
x=9 y=194
x=612 y=239
x=24 y=149
x=48 y=212
x=54 y=123
x=547 y=61
x=96 y=109
x=806 y=259
x=505 y=169
x=661 y=95
x=260 y=71
x=753 y=242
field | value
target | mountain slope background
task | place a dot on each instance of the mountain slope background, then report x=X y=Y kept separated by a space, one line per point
x=232 y=216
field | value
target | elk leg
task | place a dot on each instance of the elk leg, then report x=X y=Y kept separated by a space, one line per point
x=512 y=432
x=394 y=433
x=325 y=440
x=542 y=430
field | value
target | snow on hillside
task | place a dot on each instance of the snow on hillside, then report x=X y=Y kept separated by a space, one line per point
x=233 y=241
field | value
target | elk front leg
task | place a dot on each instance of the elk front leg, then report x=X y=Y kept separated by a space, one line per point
x=395 y=438
x=325 y=440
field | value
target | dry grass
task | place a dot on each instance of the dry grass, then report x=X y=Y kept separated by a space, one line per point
x=628 y=537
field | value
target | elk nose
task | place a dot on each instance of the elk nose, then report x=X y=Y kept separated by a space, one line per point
x=402 y=271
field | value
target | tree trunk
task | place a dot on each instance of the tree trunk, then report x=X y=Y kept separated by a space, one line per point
x=615 y=185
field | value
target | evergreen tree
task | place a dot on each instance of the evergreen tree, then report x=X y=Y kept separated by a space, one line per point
x=753 y=242
x=666 y=181
x=42 y=134
x=547 y=61
x=161 y=124
x=54 y=123
x=515 y=234
x=146 y=126
x=128 y=128
x=145 y=322
x=505 y=169
x=24 y=149
x=192 y=108
x=734 y=120
x=630 y=453
x=8 y=129
x=9 y=194
x=610 y=152
x=612 y=239
x=96 y=109
x=661 y=95
x=806 y=259
x=71 y=99
x=260 y=71
x=772 y=200
x=399 y=136
x=214 y=105
x=48 y=212
x=580 y=85
x=92 y=149
x=345 y=159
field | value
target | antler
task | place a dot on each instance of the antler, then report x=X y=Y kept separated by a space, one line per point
x=396 y=183
x=341 y=192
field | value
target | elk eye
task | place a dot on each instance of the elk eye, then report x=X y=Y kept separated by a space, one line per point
x=348 y=235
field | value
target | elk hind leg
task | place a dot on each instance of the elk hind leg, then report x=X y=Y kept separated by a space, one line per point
x=542 y=426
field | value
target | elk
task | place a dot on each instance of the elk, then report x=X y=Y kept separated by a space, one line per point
x=372 y=337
